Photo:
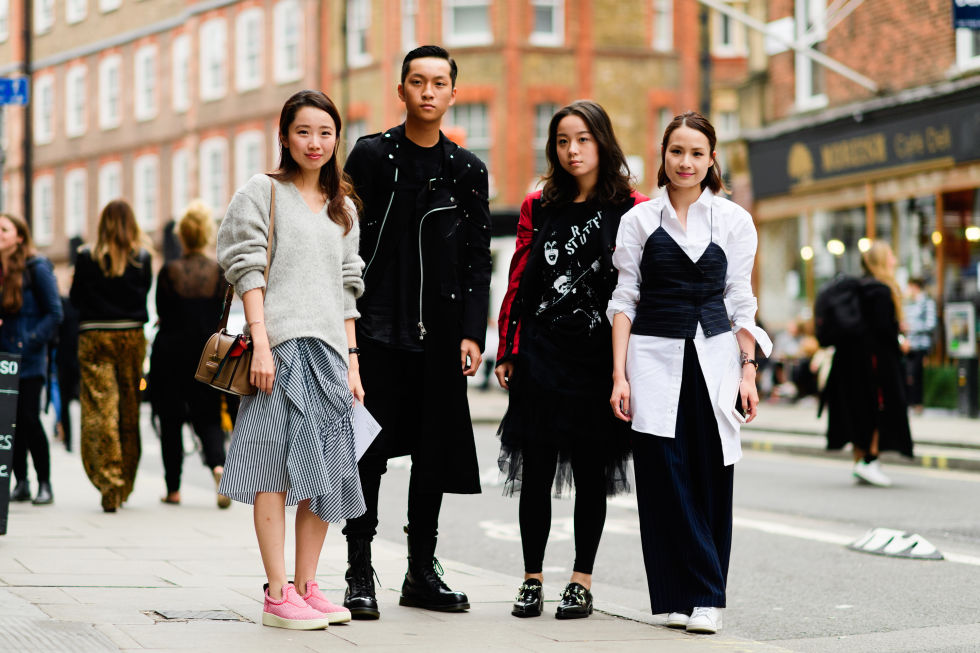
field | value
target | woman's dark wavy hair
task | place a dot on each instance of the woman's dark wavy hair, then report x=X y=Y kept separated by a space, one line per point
x=694 y=120
x=613 y=183
x=12 y=279
x=334 y=183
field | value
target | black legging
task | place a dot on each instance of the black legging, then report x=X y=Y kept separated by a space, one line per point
x=203 y=411
x=539 y=465
x=30 y=435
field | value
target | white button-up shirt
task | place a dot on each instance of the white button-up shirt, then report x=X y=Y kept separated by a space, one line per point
x=654 y=365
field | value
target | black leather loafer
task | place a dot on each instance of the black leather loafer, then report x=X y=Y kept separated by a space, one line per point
x=529 y=599
x=576 y=602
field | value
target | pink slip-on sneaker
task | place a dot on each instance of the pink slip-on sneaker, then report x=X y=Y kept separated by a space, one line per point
x=315 y=599
x=291 y=612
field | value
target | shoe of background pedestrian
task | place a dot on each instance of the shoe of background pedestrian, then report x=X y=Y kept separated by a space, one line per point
x=223 y=501
x=111 y=501
x=529 y=599
x=172 y=498
x=44 y=496
x=706 y=621
x=22 y=491
x=423 y=586
x=359 y=597
x=871 y=473
x=291 y=611
x=316 y=600
x=576 y=602
x=677 y=620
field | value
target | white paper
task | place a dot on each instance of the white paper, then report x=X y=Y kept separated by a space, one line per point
x=366 y=429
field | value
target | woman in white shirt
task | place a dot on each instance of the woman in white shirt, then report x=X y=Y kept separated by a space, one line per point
x=685 y=265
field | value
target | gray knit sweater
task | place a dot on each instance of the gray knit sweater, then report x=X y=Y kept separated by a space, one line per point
x=315 y=275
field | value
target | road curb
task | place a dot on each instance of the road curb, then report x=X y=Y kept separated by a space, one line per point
x=949 y=461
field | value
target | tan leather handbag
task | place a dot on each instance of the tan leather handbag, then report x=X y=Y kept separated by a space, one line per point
x=226 y=361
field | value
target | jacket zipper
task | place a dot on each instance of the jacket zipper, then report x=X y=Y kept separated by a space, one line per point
x=377 y=243
x=421 y=325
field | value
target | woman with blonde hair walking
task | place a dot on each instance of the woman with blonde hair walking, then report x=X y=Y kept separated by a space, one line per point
x=109 y=289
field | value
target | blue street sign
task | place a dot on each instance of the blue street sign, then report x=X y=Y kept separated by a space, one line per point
x=966 y=14
x=13 y=91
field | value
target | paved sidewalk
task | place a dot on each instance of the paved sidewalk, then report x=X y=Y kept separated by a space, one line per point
x=75 y=579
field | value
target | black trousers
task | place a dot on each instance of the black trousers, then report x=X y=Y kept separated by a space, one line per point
x=201 y=406
x=29 y=436
x=684 y=499
x=913 y=366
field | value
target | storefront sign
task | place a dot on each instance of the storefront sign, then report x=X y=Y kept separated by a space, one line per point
x=966 y=14
x=935 y=131
x=961 y=330
x=9 y=378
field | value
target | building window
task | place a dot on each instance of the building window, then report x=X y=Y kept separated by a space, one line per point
x=248 y=49
x=214 y=59
x=967 y=49
x=543 y=113
x=109 y=99
x=43 y=16
x=466 y=22
x=810 y=88
x=358 y=26
x=213 y=177
x=181 y=62
x=43 y=228
x=353 y=131
x=410 y=16
x=75 y=101
x=4 y=20
x=728 y=35
x=44 y=109
x=549 y=22
x=288 y=23
x=75 y=11
x=663 y=25
x=474 y=120
x=109 y=5
x=664 y=118
x=76 y=184
x=145 y=82
x=248 y=156
x=179 y=178
x=110 y=183
x=727 y=125
x=146 y=173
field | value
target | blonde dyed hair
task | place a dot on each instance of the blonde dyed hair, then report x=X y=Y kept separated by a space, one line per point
x=196 y=226
x=119 y=239
x=875 y=262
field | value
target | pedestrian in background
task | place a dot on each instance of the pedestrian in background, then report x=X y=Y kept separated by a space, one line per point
x=30 y=311
x=554 y=356
x=66 y=367
x=920 y=325
x=190 y=294
x=293 y=441
x=865 y=391
x=109 y=288
x=685 y=283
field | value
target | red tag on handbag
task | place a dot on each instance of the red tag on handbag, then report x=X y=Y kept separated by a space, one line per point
x=239 y=347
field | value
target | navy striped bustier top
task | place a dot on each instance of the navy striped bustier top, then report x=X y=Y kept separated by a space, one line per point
x=676 y=293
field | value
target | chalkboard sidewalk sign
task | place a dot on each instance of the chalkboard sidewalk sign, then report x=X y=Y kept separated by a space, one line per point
x=9 y=378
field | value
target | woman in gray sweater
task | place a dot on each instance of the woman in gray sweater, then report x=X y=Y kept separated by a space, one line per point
x=294 y=439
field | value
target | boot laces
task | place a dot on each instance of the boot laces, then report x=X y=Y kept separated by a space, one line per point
x=434 y=574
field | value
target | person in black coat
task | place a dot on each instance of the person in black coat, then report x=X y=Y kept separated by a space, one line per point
x=865 y=393
x=425 y=240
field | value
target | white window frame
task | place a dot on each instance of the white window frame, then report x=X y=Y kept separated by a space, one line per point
x=358 y=33
x=213 y=180
x=105 y=6
x=663 y=25
x=43 y=109
x=213 y=68
x=353 y=131
x=409 y=24
x=43 y=210
x=543 y=113
x=76 y=207
x=464 y=115
x=967 y=56
x=287 y=22
x=4 y=20
x=736 y=46
x=556 y=37
x=76 y=96
x=43 y=16
x=180 y=60
x=249 y=156
x=248 y=49
x=75 y=11
x=146 y=191
x=110 y=98
x=805 y=67
x=180 y=195
x=452 y=36
x=110 y=183
x=145 y=83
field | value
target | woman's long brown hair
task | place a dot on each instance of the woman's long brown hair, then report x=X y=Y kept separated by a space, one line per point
x=875 y=261
x=119 y=239
x=13 y=274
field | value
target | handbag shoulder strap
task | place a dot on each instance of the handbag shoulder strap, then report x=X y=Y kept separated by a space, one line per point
x=230 y=292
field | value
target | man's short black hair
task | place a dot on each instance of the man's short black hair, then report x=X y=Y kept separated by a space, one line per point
x=429 y=51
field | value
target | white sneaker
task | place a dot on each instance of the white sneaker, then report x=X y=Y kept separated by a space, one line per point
x=704 y=620
x=677 y=620
x=871 y=473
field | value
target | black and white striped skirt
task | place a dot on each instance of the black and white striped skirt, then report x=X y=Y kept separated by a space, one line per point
x=300 y=438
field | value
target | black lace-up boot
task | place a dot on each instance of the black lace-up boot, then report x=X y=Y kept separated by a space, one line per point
x=423 y=586
x=359 y=597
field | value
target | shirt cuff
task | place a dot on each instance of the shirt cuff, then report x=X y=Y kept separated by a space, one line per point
x=761 y=337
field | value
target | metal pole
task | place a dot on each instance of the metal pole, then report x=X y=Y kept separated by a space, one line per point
x=28 y=175
x=705 y=62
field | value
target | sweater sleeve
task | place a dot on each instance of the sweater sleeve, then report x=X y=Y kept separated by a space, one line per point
x=243 y=238
x=353 y=266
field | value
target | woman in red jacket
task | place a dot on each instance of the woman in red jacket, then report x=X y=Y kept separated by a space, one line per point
x=554 y=355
